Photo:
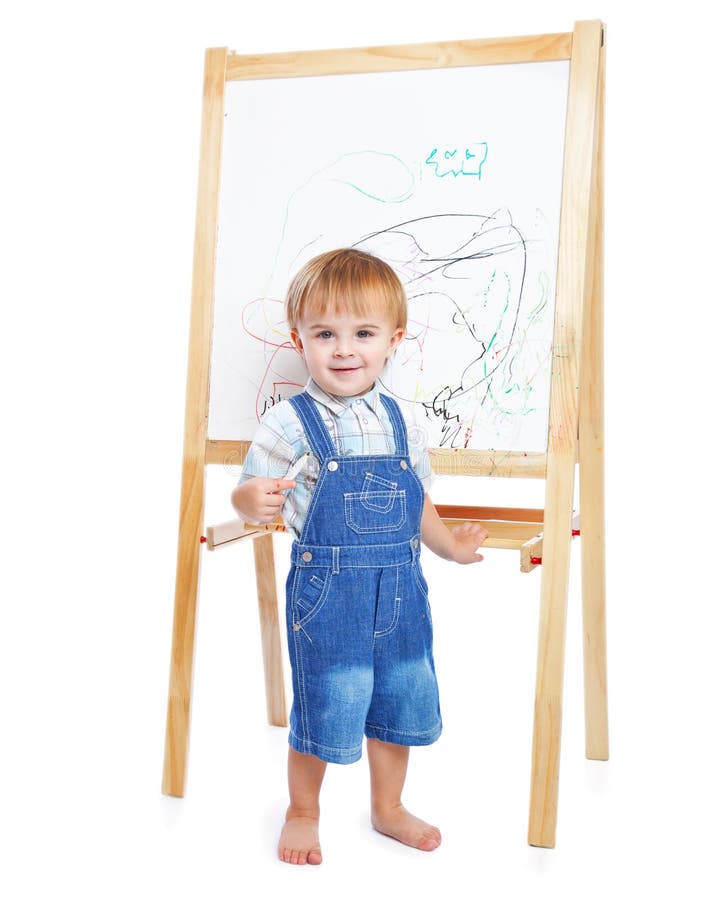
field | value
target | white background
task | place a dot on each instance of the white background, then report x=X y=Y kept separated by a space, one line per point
x=101 y=116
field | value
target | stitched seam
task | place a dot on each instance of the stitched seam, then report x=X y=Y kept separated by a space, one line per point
x=306 y=602
x=397 y=604
x=374 y=483
x=299 y=663
x=315 y=428
x=340 y=751
x=398 y=426
x=321 y=600
x=399 y=731
x=395 y=619
x=361 y=529
x=368 y=501
x=418 y=581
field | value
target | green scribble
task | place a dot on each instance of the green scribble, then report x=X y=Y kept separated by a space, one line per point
x=506 y=386
x=543 y=280
x=375 y=196
x=352 y=183
x=451 y=162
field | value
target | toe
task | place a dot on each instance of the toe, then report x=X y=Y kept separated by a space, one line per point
x=430 y=840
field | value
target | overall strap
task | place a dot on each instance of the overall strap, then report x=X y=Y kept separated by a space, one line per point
x=315 y=429
x=397 y=419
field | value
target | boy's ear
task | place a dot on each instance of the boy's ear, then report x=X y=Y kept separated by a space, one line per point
x=296 y=340
x=396 y=339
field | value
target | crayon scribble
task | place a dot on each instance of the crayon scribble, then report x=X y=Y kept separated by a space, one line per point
x=476 y=356
x=458 y=160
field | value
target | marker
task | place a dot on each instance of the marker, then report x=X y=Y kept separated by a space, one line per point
x=298 y=467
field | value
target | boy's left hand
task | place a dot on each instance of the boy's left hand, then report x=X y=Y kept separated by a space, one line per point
x=467 y=538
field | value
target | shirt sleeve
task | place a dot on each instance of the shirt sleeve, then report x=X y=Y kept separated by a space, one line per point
x=423 y=469
x=417 y=440
x=275 y=446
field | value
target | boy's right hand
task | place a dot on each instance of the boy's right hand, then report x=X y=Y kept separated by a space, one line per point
x=259 y=500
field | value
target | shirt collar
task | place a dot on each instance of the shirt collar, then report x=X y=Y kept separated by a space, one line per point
x=339 y=405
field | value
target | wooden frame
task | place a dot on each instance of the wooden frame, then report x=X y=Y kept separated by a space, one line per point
x=576 y=416
x=578 y=290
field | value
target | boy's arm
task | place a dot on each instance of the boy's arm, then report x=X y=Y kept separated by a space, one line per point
x=259 y=496
x=458 y=544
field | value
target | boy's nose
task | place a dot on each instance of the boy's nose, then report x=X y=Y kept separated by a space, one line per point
x=344 y=348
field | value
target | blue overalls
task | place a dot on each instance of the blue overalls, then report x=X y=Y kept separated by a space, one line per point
x=358 y=620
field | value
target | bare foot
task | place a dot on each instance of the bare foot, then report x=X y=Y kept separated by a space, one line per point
x=403 y=826
x=300 y=841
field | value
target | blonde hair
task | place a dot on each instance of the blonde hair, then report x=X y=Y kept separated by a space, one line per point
x=345 y=280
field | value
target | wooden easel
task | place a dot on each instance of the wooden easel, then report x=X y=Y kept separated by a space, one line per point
x=576 y=409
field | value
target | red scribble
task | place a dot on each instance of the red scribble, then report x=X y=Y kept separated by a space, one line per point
x=282 y=345
x=275 y=384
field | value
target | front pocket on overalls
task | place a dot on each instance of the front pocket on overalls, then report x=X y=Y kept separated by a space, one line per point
x=309 y=594
x=371 y=512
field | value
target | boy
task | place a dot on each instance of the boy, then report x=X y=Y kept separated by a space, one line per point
x=358 y=620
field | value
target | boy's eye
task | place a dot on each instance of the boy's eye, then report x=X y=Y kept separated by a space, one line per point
x=364 y=334
x=324 y=334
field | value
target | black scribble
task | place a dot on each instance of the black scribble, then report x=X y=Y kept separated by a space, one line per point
x=438 y=408
x=269 y=402
x=446 y=260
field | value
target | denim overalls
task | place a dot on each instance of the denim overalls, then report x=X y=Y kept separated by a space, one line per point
x=358 y=620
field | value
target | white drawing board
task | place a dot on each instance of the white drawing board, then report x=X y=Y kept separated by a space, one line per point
x=453 y=176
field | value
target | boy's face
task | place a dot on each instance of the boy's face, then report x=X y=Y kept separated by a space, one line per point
x=346 y=353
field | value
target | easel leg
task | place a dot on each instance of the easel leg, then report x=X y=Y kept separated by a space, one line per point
x=183 y=636
x=591 y=474
x=270 y=629
x=594 y=615
x=550 y=655
x=574 y=290
x=196 y=409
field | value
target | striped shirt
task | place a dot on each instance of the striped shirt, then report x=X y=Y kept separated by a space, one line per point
x=357 y=425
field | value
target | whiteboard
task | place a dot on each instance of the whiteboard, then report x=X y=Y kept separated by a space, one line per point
x=452 y=176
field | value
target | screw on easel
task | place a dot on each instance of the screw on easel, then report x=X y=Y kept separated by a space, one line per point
x=537 y=560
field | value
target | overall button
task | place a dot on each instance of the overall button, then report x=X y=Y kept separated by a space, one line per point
x=403 y=464
x=307 y=556
x=333 y=465
x=415 y=543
